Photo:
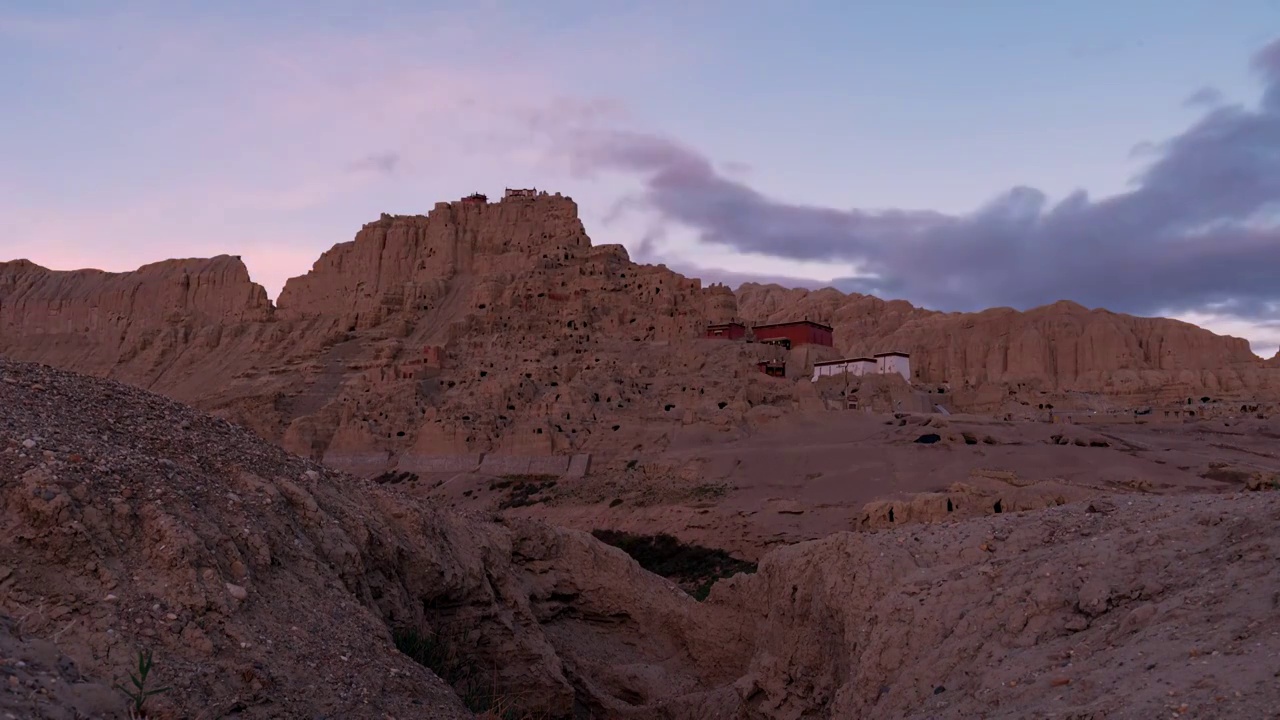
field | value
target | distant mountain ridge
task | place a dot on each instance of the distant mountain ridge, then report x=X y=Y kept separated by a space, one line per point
x=499 y=327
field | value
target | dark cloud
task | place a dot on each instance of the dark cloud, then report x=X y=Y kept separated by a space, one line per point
x=1267 y=63
x=1204 y=97
x=1199 y=228
x=732 y=278
x=383 y=163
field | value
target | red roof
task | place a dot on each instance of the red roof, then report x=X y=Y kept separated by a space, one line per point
x=846 y=360
x=793 y=322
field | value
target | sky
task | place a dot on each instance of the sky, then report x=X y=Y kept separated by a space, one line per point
x=957 y=155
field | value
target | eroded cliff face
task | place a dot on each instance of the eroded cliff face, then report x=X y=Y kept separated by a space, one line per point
x=132 y=325
x=478 y=327
x=1059 y=347
x=402 y=264
x=499 y=327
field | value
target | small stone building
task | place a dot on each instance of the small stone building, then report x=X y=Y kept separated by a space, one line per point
x=773 y=368
x=727 y=331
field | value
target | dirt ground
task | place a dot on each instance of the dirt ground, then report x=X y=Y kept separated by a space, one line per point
x=999 y=571
x=825 y=472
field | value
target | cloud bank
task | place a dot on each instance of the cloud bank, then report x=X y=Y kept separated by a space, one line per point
x=1198 y=232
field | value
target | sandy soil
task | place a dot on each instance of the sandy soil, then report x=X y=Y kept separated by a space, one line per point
x=825 y=472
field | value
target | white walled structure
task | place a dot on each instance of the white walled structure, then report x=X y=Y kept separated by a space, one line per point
x=862 y=366
x=894 y=362
x=827 y=368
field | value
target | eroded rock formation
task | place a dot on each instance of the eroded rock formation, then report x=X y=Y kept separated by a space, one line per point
x=476 y=328
x=1063 y=347
x=498 y=327
x=269 y=586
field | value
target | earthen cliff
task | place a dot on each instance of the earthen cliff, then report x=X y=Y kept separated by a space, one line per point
x=1061 y=348
x=498 y=327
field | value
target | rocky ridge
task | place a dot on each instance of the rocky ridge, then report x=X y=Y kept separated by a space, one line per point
x=498 y=327
x=1060 y=348
x=268 y=586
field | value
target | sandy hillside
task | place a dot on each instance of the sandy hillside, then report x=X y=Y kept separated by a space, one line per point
x=268 y=586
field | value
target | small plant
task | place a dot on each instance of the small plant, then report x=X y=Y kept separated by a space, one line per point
x=709 y=491
x=139 y=693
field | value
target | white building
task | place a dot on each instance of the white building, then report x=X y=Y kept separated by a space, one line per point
x=894 y=362
x=881 y=364
x=827 y=368
x=862 y=366
x=853 y=366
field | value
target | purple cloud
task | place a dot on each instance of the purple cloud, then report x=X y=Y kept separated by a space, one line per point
x=1198 y=229
x=1204 y=97
x=380 y=163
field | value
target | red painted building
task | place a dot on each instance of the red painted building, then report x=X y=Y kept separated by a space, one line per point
x=727 y=331
x=791 y=334
x=773 y=368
